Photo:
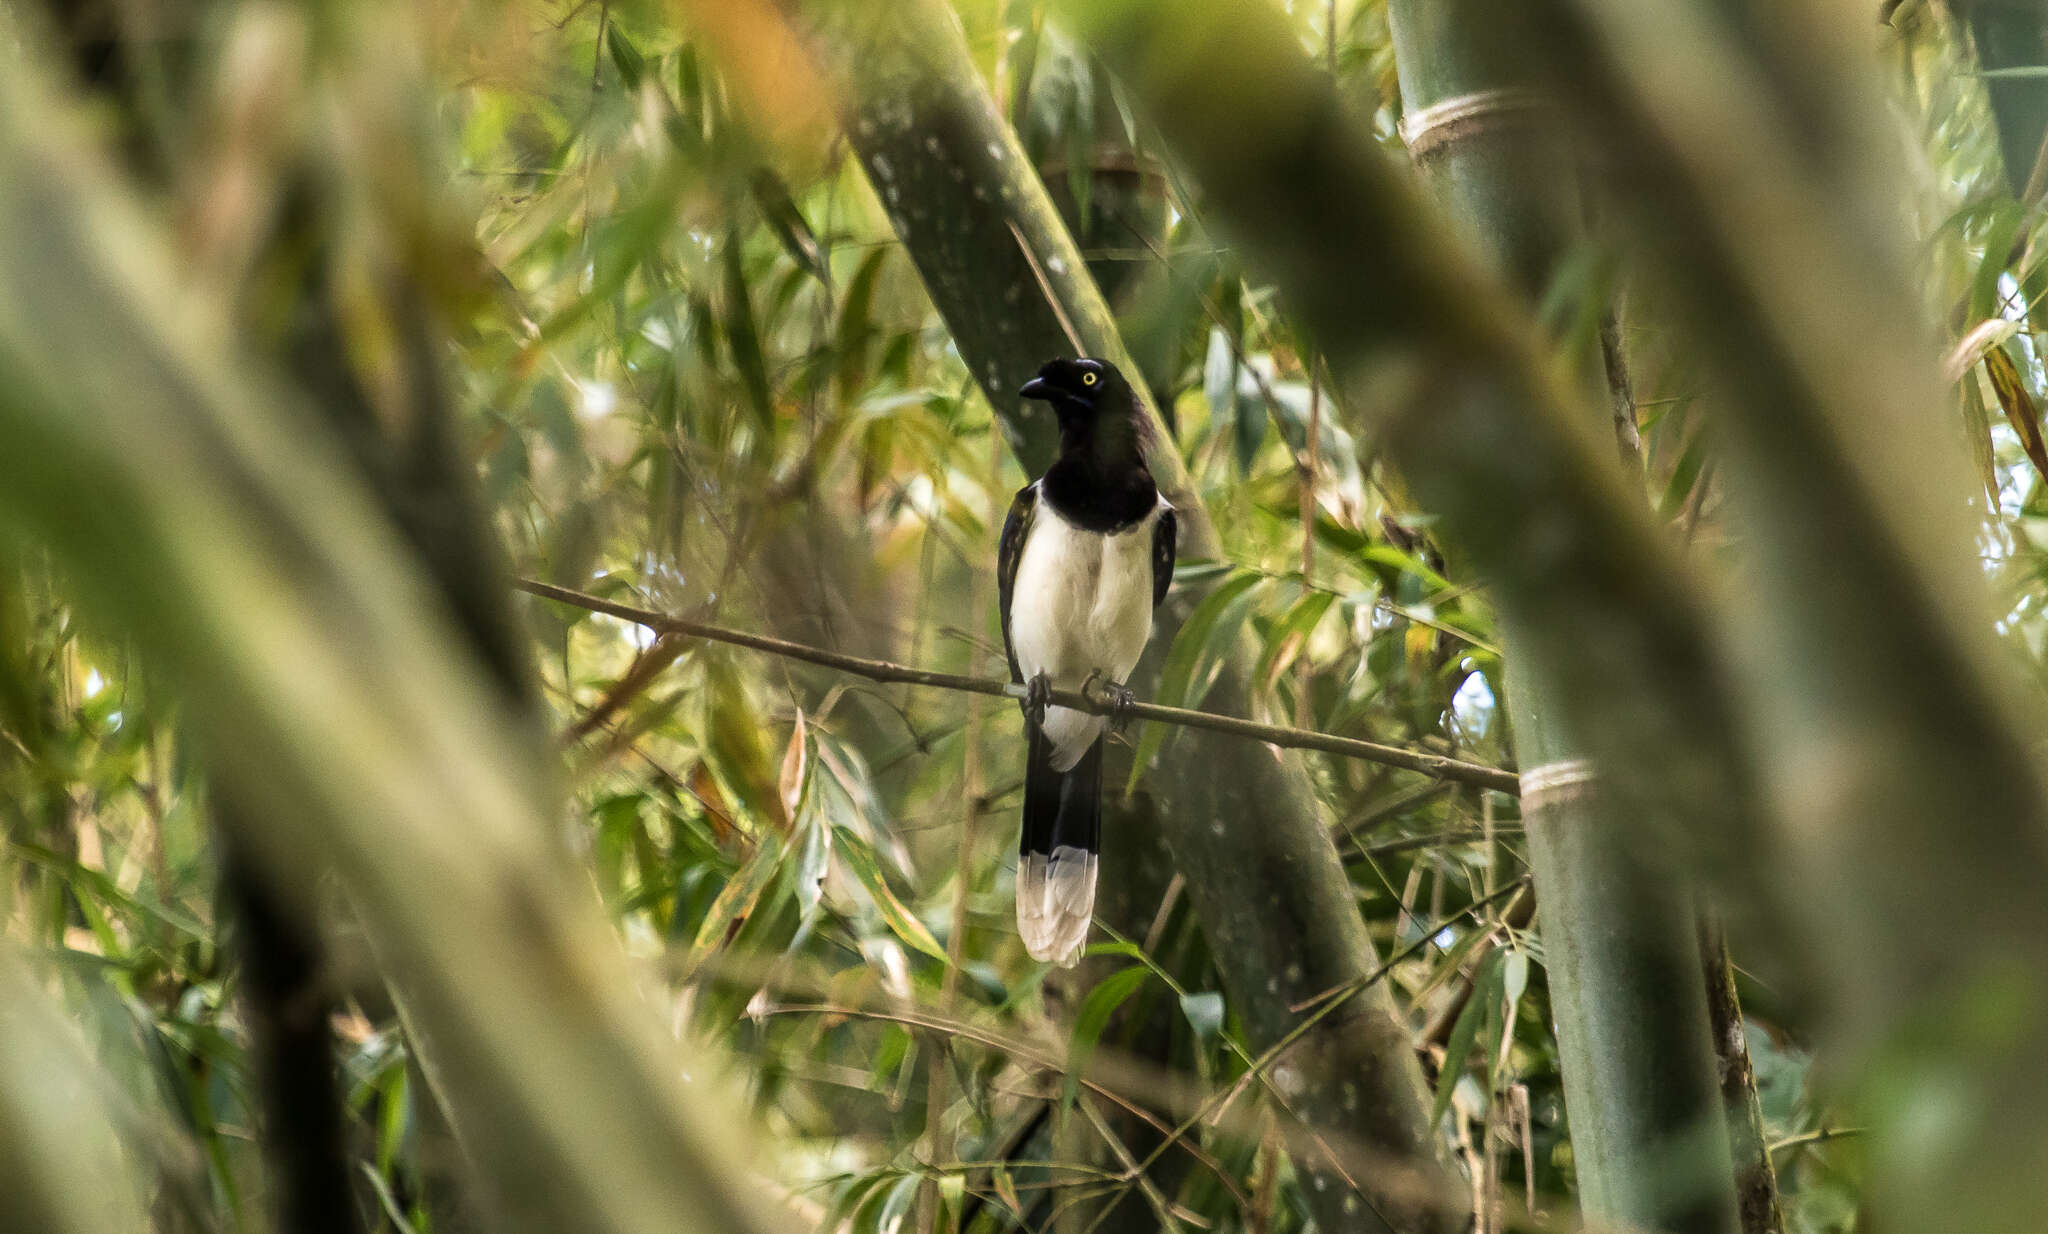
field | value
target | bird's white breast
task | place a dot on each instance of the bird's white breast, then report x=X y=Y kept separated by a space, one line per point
x=1082 y=605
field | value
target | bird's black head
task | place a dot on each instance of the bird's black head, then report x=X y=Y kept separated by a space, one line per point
x=1081 y=391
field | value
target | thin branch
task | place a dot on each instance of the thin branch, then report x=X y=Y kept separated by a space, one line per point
x=1092 y=699
x=1814 y=1137
x=1468 y=835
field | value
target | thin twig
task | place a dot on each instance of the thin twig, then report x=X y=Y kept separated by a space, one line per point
x=1441 y=839
x=1311 y=460
x=1808 y=1138
x=1093 y=699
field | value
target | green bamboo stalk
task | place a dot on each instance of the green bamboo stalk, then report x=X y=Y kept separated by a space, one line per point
x=281 y=957
x=202 y=511
x=1459 y=395
x=1628 y=995
x=1243 y=826
x=1883 y=711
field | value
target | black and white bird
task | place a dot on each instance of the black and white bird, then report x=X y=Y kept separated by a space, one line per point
x=1087 y=554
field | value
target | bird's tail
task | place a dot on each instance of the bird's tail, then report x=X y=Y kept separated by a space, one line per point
x=1056 y=857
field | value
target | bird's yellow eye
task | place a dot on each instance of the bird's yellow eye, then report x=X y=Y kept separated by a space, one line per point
x=1087 y=379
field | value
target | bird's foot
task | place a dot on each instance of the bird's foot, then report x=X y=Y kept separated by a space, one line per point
x=1037 y=696
x=1121 y=700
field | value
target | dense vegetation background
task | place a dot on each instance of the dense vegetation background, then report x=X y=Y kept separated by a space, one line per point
x=322 y=323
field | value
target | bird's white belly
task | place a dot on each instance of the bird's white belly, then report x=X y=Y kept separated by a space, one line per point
x=1082 y=605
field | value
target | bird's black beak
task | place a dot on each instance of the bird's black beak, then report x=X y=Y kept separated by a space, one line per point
x=1037 y=387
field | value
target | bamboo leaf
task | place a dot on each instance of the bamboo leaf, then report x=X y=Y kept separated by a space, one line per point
x=1288 y=638
x=1176 y=679
x=1516 y=979
x=734 y=904
x=814 y=862
x=796 y=767
x=1452 y=962
x=736 y=747
x=1219 y=377
x=1006 y=1190
x=895 y=1206
x=1189 y=573
x=1684 y=476
x=1102 y=1002
x=1486 y=992
x=1977 y=421
x=1971 y=347
x=853 y=1198
x=2018 y=405
x=1249 y=424
x=789 y=226
x=623 y=244
x=1998 y=242
x=850 y=339
x=1204 y=1012
x=631 y=64
x=743 y=338
x=94 y=884
x=860 y=859
x=1406 y=563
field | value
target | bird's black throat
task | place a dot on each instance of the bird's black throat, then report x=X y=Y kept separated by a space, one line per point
x=1100 y=482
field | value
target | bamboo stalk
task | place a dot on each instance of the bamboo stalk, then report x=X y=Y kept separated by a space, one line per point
x=1627 y=990
x=1460 y=396
x=283 y=964
x=1794 y=289
x=217 y=523
x=1491 y=455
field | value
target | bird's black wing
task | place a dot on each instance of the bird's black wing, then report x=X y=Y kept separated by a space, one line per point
x=1164 y=533
x=1008 y=553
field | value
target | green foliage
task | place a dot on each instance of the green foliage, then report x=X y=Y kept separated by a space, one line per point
x=702 y=383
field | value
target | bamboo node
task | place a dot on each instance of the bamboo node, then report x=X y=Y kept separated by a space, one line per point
x=1438 y=125
x=1554 y=784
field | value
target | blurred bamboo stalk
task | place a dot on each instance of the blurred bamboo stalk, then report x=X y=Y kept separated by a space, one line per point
x=1627 y=992
x=1421 y=339
x=284 y=970
x=1883 y=711
x=1878 y=716
x=201 y=509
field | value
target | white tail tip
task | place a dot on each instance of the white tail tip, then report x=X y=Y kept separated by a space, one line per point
x=1055 y=902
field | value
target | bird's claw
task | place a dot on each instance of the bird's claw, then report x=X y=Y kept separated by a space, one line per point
x=1121 y=700
x=1037 y=697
